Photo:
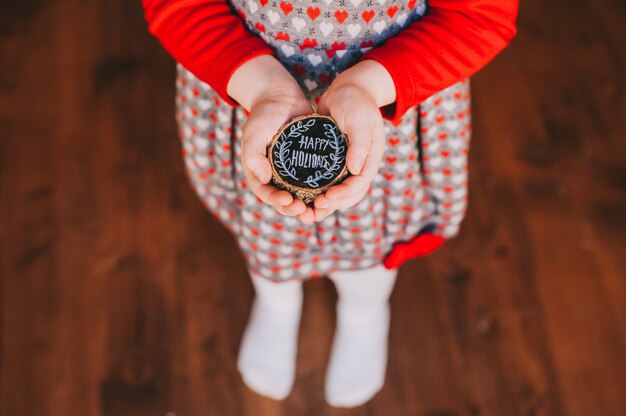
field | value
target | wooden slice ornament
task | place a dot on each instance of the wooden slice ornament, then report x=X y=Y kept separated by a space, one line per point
x=308 y=156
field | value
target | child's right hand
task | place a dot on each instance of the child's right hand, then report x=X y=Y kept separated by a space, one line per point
x=271 y=95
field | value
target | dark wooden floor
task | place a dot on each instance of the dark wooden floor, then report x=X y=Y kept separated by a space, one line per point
x=120 y=295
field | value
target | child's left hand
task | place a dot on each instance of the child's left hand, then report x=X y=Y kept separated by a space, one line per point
x=356 y=112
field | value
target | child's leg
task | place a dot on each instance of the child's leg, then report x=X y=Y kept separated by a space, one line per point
x=359 y=354
x=267 y=355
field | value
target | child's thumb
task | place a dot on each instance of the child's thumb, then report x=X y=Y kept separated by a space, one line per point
x=254 y=158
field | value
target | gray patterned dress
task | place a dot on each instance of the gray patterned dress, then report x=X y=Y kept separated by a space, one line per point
x=422 y=181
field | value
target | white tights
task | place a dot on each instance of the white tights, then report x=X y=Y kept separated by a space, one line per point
x=358 y=360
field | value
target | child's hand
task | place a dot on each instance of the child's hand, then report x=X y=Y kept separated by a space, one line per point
x=266 y=117
x=353 y=100
x=273 y=97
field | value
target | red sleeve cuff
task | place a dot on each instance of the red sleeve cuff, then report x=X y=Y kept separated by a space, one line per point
x=207 y=37
x=222 y=67
x=451 y=42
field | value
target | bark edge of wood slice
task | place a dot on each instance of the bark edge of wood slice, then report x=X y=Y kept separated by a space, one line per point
x=291 y=178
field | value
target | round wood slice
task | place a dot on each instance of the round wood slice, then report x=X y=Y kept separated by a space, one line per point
x=308 y=155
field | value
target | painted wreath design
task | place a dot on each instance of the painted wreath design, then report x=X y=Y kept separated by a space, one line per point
x=284 y=165
x=337 y=158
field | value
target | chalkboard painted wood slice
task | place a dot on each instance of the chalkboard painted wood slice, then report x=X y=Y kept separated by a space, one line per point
x=308 y=156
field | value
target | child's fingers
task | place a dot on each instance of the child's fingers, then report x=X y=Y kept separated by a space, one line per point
x=258 y=131
x=351 y=191
x=358 y=127
x=296 y=207
x=375 y=155
x=253 y=155
x=267 y=193
x=308 y=216
x=322 y=213
x=345 y=203
x=354 y=185
x=321 y=201
x=351 y=186
x=273 y=196
x=259 y=165
x=281 y=200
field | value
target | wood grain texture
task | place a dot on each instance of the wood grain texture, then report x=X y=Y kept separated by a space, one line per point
x=121 y=295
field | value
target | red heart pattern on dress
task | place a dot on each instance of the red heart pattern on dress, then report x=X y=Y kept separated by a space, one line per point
x=341 y=16
x=392 y=11
x=368 y=15
x=286 y=7
x=313 y=12
x=308 y=43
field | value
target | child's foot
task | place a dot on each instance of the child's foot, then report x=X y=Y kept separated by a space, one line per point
x=268 y=350
x=358 y=360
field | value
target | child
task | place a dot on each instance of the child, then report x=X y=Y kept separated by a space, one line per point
x=393 y=74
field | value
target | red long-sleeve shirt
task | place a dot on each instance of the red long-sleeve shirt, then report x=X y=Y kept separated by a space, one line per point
x=454 y=40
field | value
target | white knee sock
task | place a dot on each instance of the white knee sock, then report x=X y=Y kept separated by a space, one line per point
x=267 y=355
x=358 y=361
